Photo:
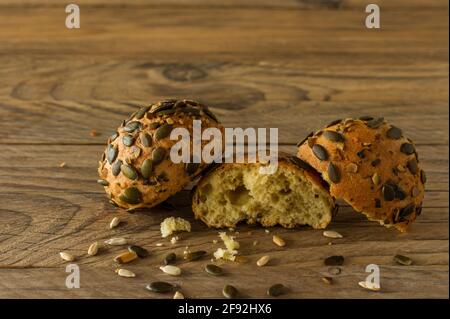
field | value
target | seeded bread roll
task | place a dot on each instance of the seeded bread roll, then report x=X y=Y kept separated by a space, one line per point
x=372 y=166
x=136 y=170
x=293 y=195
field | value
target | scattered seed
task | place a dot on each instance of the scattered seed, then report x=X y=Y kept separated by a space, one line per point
x=327 y=280
x=376 y=179
x=334 y=261
x=276 y=290
x=388 y=192
x=230 y=292
x=178 y=295
x=125 y=273
x=332 y=234
x=278 y=241
x=402 y=260
x=170 y=258
x=375 y=123
x=394 y=133
x=333 y=136
x=407 y=148
x=118 y=241
x=66 y=256
x=369 y=285
x=131 y=195
x=125 y=257
x=263 y=261
x=320 y=152
x=195 y=255
x=352 y=168
x=213 y=270
x=93 y=249
x=114 y=222
x=159 y=244
x=158 y=155
x=266 y=231
x=138 y=250
x=412 y=166
x=160 y=287
x=334 y=271
x=171 y=270
x=103 y=182
x=333 y=173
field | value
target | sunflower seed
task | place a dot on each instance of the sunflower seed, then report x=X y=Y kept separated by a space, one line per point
x=415 y=191
x=333 y=136
x=327 y=280
x=132 y=126
x=213 y=270
x=128 y=140
x=140 y=114
x=114 y=222
x=138 y=250
x=333 y=173
x=171 y=270
x=369 y=285
x=163 y=131
x=125 y=257
x=191 y=168
x=160 y=287
x=375 y=123
x=334 y=271
x=394 y=133
x=93 y=249
x=117 y=241
x=334 y=261
x=230 y=292
x=276 y=290
x=131 y=196
x=388 y=192
x=103 y=182
x=158 y=155
x=66 y=256
x=111 y=153
x=195 y=255
x=147 y=168
x=263 y=261
x=278 y=241
x=115 y=169
x=170 y=258
x=332 y=234
x=376 y=179
x=407 y=148
x=402 y=260
x=412 y=166
x=129 y=171
x=178 y=295
x=125 y=273
x=320 y=152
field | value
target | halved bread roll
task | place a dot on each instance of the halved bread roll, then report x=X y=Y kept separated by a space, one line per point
x=293 y=195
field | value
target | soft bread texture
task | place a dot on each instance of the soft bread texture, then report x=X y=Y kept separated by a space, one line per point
x=166 y=177
x=233 y=193
x=372 y=166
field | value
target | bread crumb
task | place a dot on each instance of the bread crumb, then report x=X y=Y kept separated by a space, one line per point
x=255 y=242
x=93 y=133
x=215 y=241
x=231 y=248
x=174 y=240
x=159 y=244
x=229 y=241
x=267 y=231
x=63 y=164
x=172 y=224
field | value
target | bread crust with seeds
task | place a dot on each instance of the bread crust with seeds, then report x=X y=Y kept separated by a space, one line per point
x=136 y=170
x=234 y=192
x=372 y=166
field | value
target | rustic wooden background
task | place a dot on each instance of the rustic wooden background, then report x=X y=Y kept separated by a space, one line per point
x=291 y=64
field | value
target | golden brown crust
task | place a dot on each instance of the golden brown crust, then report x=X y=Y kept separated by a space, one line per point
x=372 y=166
x=135 y=146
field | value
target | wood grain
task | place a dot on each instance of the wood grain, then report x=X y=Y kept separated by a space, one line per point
x=291 y=64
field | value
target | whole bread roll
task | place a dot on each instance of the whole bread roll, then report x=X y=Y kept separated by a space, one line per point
x=136 y=170
x=237 y=192
x=372 y=166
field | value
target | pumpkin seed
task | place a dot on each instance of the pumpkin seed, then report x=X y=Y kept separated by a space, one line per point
x=423 y=177
x=334 y=261
x=93 y=249
x=154 y=125
x=140 y=114
x=276 y=290
x=111 y=153
x=402 y=260
x=415 y=191
x=163 y=131
x=407 y=148
x=375 y=123
x=327 y=280
x=138 y=250
x=161 y=107
x=113 y=137
x=213 y=270
x=230 y=292
x=419 y=210
x=332 y=234
x=103 y=182
x=179 y=104
x=333 y=136
x=114 y=222
x=320 y=152
x=178 y=295
x=128 y=140
x=191 y=111
x=134 y=152
x=388 y=192
x=196 y=255
x=369 y=285
x=147 y=168
x=129 y=171
x=334 y=122
x=115 y=169
x=66 y=256
x=334 y=271
x=376 y=179
x=394 y=133
x=146 y=140
x=132 y=126
x=399 y=193
x=166 y=112
x=263 y=261
x=131 y=195
x=406 y=211
x=366 y=118
x=278 y=241
x=191 y=168
x=160 y=287
x=125 y=273
x=333 y=173
x=171 y=270
x=158 y=155
x=412 y=166
x=125 y=257
x=117 y=241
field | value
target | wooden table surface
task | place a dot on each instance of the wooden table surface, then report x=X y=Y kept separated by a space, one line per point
x=291 y=64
